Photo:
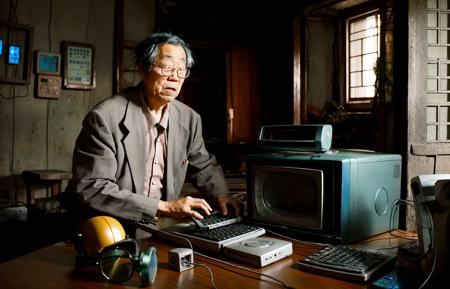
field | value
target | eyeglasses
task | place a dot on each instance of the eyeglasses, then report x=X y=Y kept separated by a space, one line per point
x=182 y=72
x=118 y=261
x=118 y=265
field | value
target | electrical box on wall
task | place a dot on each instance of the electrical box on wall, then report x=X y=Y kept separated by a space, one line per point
x=48 y=86
x=47 y=68
x=15 y=53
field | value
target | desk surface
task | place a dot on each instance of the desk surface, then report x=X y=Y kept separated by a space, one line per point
x=54 y=267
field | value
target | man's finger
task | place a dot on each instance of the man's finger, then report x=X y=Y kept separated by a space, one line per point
x=223 y=207
x=201 y=208
x=196 y=215
x=201 y=204
x=237 y=208
x=205 y=205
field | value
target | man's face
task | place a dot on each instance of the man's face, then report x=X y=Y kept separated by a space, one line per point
x=160 y=89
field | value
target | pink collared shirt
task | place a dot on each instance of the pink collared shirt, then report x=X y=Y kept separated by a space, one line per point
x=156 y=132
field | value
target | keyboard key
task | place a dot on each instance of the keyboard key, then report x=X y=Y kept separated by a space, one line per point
x=215 y=220
x=345 y=262
x=224 y=232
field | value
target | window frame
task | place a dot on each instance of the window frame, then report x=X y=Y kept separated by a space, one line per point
x=437 y=122
x=366 y=103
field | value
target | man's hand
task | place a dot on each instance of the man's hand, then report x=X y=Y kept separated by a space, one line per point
x=186 y=206
x=225 y=201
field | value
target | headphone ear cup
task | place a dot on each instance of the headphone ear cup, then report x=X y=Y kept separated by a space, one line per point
x=148 y=266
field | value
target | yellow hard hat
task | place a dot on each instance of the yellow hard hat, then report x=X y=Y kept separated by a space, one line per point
x=99 y=232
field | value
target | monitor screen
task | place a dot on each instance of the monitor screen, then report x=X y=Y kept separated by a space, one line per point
x=48 y=63
x=1 y=47
x=14 y=55
x=289 y=195
x=292 y=191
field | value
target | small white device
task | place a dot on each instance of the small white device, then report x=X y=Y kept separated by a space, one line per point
x=181 y=259
x=260 y=251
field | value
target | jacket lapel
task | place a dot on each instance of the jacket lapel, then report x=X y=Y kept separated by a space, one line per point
x=176 y=150
x=135 y=141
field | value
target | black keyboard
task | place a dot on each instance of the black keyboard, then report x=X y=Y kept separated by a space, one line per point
x=215 y=220
x=224 y=232
x=346 y=263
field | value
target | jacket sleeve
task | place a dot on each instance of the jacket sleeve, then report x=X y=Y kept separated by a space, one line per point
x=98 y=163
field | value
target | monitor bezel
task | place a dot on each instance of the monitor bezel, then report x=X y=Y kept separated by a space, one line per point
x=264 y=212
x=38 y=67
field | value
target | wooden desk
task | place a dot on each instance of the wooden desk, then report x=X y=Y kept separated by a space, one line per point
x=54 y=267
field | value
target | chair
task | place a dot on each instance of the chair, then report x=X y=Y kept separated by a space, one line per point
x=35 y=179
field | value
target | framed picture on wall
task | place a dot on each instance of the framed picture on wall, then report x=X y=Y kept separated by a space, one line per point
x=79 y=70
x=15 y=53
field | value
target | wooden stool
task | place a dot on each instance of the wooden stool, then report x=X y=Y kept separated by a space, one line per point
x=44 y=178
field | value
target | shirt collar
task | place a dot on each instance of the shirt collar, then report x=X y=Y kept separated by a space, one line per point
x=164 y=121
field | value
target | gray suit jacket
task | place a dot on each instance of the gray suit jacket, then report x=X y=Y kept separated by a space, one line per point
x=109 y=158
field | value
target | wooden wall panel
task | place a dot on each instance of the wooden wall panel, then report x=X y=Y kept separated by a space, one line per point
x=244 y=97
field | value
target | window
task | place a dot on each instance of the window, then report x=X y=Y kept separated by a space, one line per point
x=438 y=86
x=363 y=46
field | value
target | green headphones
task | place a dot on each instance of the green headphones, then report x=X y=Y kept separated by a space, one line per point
x=102 y=241
x=118 y=261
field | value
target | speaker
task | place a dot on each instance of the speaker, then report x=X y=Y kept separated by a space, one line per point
x=305 y=137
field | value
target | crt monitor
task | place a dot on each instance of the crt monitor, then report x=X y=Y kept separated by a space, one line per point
x=334 y=197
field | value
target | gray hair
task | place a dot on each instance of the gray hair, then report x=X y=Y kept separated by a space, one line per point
x=148 y=49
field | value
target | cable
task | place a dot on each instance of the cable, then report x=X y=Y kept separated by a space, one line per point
x=395 y=207
x=211 y=275
x=243 y=268
x=13 y=11
x=306 y=243
x=325 y=244
x=430 y=228
x=427 y=226
x=47 y=136
x=197 y=264
x=50 y=16
x=224 y=262
x=13 y=137
x=176 y=236
x=394 y=210
x=298 y=241
x=86 y=32
x=424 y=283
x=430 y=247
